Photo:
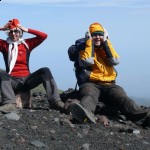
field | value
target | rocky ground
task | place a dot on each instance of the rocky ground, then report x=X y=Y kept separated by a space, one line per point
x=42 y=129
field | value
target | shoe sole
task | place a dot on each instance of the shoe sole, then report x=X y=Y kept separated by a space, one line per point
x=81 y=114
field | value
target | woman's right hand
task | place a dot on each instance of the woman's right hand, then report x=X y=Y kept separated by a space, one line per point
x=5 y=27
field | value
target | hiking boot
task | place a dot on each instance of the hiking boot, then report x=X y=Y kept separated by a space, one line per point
x=69 y=102
x=6 y=108
x=81 y=114
x=57 y=105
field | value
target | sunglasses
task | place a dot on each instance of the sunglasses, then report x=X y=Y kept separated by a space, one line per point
x=14 y=31
x=97 y=34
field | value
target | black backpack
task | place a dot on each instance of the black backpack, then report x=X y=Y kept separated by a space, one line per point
x=73 y=53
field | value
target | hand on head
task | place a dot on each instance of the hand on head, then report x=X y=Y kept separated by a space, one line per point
x=88 y=35
x=13 y=24
x=5 y=27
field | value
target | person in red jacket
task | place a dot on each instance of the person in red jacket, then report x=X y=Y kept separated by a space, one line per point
x=17 y=77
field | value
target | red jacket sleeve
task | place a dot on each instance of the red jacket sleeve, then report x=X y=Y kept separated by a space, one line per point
x=35 y=41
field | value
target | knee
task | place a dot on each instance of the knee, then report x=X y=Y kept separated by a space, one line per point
x=89 y=89
x=46 y=72
x=45 y=69
x=119 y=92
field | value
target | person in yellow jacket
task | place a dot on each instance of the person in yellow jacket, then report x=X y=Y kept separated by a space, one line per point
x=98 y=60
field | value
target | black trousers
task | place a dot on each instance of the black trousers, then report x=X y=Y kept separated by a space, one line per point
x=112 y=95
x=9 y=85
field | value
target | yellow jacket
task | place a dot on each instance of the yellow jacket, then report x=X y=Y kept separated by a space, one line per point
x=100 y=60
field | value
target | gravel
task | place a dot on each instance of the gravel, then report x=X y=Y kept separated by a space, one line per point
x=44 y=129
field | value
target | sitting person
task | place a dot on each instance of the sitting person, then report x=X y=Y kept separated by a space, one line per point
x=96 y=79
x=16 y=52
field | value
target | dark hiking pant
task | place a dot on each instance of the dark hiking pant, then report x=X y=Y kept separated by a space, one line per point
x=112 y=95
x=10 y=85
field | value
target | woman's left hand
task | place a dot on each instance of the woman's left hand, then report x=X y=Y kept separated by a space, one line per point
x=22 y=28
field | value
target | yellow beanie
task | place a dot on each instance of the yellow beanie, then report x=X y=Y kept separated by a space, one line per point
x=96 y=27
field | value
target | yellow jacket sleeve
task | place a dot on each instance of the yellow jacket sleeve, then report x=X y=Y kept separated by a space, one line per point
x=86 y=57
x=111 y=54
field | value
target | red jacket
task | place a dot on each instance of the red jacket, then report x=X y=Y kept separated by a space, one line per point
x=21 y=68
